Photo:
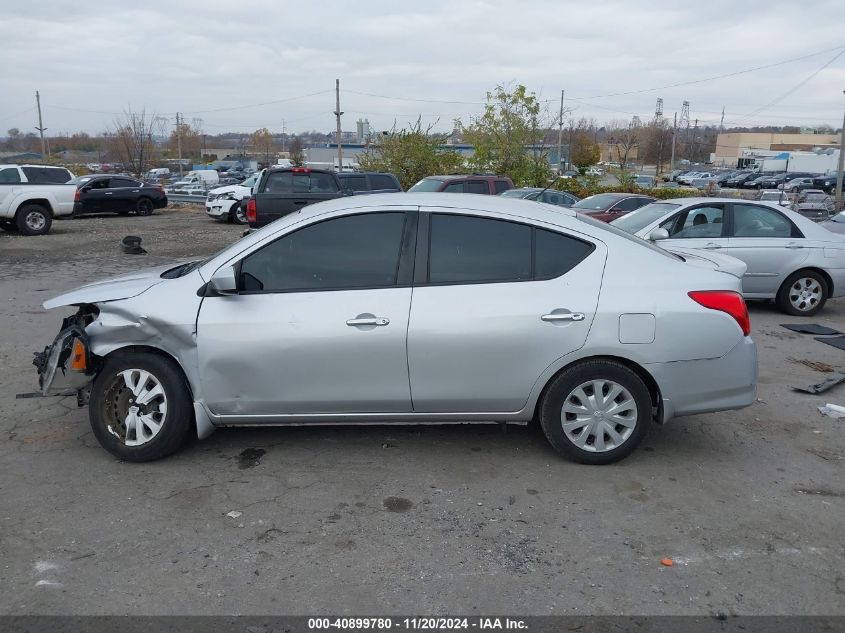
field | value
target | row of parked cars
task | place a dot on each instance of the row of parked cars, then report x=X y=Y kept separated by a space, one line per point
x=792 y=182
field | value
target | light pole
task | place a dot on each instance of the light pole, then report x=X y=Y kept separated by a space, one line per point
x=840 y=166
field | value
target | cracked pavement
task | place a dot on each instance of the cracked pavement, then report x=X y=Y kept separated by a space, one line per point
x=433 y=520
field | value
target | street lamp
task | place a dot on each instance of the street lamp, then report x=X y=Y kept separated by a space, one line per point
x=839 y=166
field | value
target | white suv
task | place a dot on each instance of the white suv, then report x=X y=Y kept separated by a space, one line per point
x=32 y=195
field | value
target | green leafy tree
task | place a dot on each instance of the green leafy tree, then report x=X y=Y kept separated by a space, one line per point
x=509 y=138
x=410 y=154
x=585 y=152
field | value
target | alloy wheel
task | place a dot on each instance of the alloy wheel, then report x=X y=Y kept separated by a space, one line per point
x=599 y=415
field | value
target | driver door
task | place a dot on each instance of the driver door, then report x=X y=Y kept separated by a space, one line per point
x=702 y=226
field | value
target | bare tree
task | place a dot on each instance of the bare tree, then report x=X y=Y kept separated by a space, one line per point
x=133 y=140
x=625 y=138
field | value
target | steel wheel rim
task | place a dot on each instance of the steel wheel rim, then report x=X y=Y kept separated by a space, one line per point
x=805 y=294
x=35 y=220
x=599 y=416
x=134 y=407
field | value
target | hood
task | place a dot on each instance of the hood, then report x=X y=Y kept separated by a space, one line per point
x=711 y=261
x=228 y=189
x=111 y=289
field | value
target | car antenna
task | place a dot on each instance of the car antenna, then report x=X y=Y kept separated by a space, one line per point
x=549 y=185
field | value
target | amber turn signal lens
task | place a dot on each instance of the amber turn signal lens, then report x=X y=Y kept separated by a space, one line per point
x=78 y=358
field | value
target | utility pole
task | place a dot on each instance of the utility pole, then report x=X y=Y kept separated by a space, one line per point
x=560 y=137
x=284 y=133
x=722 y=121
x=179 y=141
x=674 y=134
x=40 y=127
x=839 y=167
x=695 y=141
x=337 y=114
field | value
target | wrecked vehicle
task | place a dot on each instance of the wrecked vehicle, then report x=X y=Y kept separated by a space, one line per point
x=411 y=308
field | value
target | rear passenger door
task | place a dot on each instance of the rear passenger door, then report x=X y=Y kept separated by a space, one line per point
x=495 y=302
x=769 y=243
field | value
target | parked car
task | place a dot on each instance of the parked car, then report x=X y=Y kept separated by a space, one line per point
x=703 y=183
x=282 y=191
x=645 y=181
x=722 y=178
x=737 y=181
x=594 y=171
x=774 y=196
x=797 y=184
x=549 y=196
x=570 y=173
x=224 y=203
x=472 y=183
x=672 y=175
x=116 y=194
x=365 y=182
x=518 y=310
x=688 y=177
x=836 y=223
x=825 y=183
x=755 y=183
x=815 y=206
x=32 y=195
x=609 y=206
x=790 y=259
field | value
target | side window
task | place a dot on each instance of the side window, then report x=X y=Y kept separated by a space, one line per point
x=356 y=251
x=628 y=204
x=454 y=187
x=705 y=221
x=356 y=183
x=299 y=182
x=470 y=249
x=9 y=176
x=381 y=181
x=502 y=185
x=46 y=175
x=99 y=183
x=753 y=221
x=123 y=183
x=556 y=254
x=477 y=186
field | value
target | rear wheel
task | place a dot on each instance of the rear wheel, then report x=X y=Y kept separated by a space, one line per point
x=803 y=293
x=144 y=206
x=596 y=412
x=140 y=408
x=33 y=219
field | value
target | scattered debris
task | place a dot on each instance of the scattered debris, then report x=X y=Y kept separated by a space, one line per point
x=833 y=380
x=131 y=245
x=667 y=562
x=813 y=364
x=836 y=341
x=810 y=328
x=234 y=514
x=833 y=411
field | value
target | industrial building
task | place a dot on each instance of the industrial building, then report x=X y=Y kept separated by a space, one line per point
x=741 y=149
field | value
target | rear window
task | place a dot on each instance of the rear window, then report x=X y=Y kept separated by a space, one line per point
x=299 y=182
x=502 y=185
x=382 y=181
x=356 y=183
x=47 y=175
x=598 y=202
x=427 y=184
x=9 y=176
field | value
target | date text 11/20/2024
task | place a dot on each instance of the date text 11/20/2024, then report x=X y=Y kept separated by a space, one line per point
x=417 y=624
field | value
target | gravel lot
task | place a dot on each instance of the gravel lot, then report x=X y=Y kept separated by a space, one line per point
x=750 y=505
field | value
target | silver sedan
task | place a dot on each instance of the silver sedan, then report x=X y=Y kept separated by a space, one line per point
x=411 y=308
x=790 y=258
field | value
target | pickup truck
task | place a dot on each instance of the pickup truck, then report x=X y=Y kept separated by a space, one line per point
x=32 y=195
x=280 y=192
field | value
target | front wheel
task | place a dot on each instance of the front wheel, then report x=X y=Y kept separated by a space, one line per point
x=803 y=293
x=140 y=408
x=144 y=206
x=596 y=412
x=237 y=213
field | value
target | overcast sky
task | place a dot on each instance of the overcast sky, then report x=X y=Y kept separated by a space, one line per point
x=222 y=62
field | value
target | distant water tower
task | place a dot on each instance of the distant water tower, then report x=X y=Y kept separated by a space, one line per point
x=363 y=130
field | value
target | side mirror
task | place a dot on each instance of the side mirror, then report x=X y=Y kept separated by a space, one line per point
x=347 y=191
x=658 y=234
x=223 y=282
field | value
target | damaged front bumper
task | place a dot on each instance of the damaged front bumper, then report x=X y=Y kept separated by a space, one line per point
x=67 y=365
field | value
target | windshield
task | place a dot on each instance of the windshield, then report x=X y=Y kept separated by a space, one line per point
x=427 y=184
x=597 y=202
x=79 y=180
x=815 y=197
x=249 y=182
x=182 y=269
x=642 y=217
x=839 y=217
x=514 y=193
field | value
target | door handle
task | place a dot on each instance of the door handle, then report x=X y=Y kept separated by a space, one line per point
x=108 y=193
x=368 y=321
x=794 y=245
x=712 y=245
x=563 y=316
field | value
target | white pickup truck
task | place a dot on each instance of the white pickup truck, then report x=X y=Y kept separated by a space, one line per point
x=32 y=195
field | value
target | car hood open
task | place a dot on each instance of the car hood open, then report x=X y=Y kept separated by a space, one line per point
x=112 y=289
x=711 y=261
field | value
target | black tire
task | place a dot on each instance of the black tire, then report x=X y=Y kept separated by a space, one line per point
x=109 y=401
x=794 y=190
x=144 y=206
x=562 y=387
x=237 y=213
x=789 y=298
x=33 y=219
x=8 y=226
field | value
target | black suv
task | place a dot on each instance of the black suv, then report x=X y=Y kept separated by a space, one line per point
x=363 y=182
x=825 y=183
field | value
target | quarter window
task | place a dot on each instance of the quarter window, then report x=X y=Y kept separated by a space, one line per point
x=502 y=185
x=698 y=222
x=753 y=221
x=356 y=251
x=299 y=182
x=46 y=175
x=356 y=183
x=476 y=186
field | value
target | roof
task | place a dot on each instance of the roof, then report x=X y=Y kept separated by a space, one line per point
x=457 y=176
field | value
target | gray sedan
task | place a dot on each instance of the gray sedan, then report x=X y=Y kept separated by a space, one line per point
x=411 y=308
x=790 y=258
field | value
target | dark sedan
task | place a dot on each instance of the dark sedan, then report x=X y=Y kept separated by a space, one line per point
x=549 y=196
x=609 y=206
x=116 y=194
x=738 y=180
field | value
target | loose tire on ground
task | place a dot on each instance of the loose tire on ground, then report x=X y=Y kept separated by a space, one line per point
x=803 y=293
x=33 y=219
x=621 y=415
x=140 y=407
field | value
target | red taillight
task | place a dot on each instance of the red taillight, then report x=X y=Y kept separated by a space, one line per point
x=725 y=301
x=301 y=170
x=251 y=215
x=77 y=196
x=160 y=189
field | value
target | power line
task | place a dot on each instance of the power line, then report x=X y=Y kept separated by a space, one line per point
x=12 y=116
x=258 y=105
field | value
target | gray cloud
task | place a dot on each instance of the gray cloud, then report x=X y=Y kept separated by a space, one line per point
x=92 y=60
